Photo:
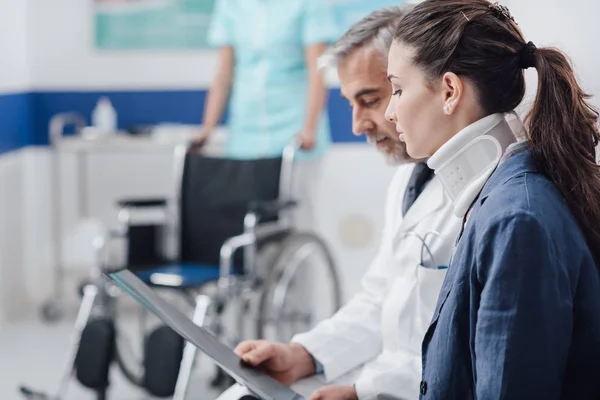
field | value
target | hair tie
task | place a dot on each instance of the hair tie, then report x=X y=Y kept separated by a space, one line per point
x=527 y=56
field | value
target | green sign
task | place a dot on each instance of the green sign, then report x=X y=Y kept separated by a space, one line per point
x=152 y=24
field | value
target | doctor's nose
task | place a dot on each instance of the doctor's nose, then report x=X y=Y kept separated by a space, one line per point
x=360 y=124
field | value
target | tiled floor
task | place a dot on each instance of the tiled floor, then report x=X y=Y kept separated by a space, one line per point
x=32 y=353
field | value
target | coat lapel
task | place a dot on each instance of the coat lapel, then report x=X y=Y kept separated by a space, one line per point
x=429 y=201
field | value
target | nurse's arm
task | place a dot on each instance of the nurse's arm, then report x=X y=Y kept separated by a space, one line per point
x=220 y=88
x=524 y=317
x=317 y=92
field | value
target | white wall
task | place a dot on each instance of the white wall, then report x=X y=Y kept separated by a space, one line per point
x=12 y=236
x=63 y=57
x=14 y=78
x=570 y=26
x=14 y=69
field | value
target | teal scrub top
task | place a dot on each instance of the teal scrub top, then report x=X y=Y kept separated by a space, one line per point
x=269 y=94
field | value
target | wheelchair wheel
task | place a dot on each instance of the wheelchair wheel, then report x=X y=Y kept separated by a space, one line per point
x=302 y=271
x=52 y=311
x=133 y=333
x=130 y=364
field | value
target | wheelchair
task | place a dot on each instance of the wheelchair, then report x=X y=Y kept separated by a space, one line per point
x=225 y=246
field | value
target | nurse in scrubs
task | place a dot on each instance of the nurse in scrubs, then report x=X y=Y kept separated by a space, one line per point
x=268 y=75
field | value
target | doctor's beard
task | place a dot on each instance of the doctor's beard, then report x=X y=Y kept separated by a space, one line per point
x=392 y=147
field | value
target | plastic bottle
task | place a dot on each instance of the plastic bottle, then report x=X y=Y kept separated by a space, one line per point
x=104 y=117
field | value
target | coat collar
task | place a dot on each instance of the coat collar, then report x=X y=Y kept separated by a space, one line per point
x=429 y=201
x=514 y=166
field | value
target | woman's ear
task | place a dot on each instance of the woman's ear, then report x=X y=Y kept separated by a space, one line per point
x=452 y=91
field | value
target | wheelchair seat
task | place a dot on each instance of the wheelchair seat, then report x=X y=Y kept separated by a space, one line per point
x=183 y=276
x=212 y=199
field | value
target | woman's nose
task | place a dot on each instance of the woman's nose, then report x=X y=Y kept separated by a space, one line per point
x=389 y=114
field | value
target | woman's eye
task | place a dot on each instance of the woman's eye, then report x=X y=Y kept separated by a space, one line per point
x=397 y=93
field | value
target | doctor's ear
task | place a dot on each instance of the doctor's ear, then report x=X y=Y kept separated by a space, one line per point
x=452 y=91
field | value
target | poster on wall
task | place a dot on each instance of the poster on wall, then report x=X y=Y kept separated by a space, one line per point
x=152 y=24
x=347 y=12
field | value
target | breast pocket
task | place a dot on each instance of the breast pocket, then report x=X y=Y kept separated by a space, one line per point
x=430 y=285
x=411 y=303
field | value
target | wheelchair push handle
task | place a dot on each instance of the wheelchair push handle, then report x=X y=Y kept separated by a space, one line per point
x=196 y=144
x=271 y=209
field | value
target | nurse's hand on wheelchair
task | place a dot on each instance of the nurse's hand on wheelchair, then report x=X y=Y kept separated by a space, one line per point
x=284 y=362
x=307 y=139
x=335 y=393
x=200 y=137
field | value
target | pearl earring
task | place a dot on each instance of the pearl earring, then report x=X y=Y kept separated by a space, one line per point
x=446 y=108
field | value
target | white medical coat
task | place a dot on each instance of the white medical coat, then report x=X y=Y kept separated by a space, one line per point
x=378 y=334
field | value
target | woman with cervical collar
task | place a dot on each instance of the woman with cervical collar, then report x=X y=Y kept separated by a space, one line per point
x=518 y=316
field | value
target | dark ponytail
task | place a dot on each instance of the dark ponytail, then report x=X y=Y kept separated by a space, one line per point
x=481 y=42
x=563 y=135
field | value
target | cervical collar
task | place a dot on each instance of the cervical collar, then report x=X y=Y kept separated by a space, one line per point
x=466 y=161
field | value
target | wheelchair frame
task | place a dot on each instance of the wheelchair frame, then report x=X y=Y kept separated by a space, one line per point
x=229 y=286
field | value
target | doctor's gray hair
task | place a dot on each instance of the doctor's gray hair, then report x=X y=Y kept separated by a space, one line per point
x=376 y=30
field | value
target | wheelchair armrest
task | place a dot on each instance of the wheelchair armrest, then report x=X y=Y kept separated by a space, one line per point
x=261 y=233
x=141 y=203
x=272 y=208
x=270 y=232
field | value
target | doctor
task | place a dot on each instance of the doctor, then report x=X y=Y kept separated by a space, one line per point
x=371 y=348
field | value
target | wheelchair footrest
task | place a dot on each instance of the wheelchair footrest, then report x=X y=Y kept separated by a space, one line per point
x=162 y=359
x=95 y=354
x=33 y=395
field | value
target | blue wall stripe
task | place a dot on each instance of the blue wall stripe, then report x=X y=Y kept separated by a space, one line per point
x=133 y=108
x=16 y=121
x=25 y=117
x=340 y=118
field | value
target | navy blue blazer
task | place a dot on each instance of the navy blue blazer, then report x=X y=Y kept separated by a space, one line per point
x=518 y=315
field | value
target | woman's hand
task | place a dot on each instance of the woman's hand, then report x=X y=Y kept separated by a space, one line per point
x=335 y=393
